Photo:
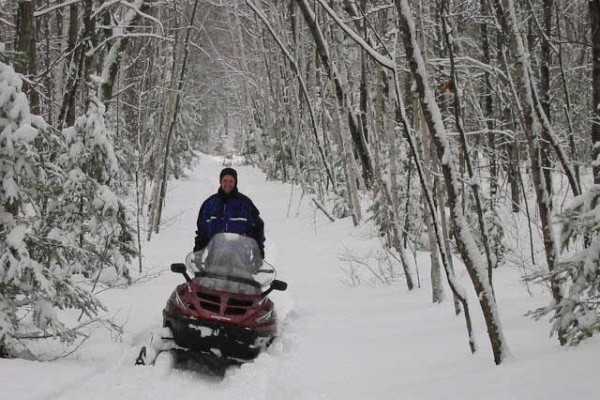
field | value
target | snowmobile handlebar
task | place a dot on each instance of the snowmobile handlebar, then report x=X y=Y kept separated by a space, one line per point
x=180 y=268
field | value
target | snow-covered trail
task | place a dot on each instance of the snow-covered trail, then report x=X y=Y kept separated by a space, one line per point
x=337 y=342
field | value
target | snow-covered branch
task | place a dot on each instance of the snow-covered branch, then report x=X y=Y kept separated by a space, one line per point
x=55 y=7
x=123 y=36
x=382 y=60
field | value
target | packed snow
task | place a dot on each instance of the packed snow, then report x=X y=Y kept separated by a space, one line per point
x=344 y=334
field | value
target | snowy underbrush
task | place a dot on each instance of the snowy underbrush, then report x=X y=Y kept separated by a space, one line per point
x=375 y=266
x=107 y=325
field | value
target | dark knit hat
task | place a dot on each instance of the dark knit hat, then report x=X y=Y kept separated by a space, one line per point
x=228 y=171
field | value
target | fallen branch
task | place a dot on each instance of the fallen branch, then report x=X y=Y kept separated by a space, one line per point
x=322 y=208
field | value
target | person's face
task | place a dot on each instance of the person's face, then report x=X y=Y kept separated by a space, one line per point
x=227 y=183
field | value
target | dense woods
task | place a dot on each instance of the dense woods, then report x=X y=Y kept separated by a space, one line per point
x=466 y=128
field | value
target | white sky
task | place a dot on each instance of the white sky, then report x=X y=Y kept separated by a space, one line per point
x=372 y=341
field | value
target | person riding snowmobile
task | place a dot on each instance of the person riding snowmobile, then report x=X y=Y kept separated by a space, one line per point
x=228 y=210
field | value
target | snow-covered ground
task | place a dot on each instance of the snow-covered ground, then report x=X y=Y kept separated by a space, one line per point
x=338 y=341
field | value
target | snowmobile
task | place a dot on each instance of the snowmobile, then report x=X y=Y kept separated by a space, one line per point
x=223 y=309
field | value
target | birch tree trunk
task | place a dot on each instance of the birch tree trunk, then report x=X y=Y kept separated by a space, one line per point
x=352 y=195
x=364 y=84
x=545 y=95
x=473 y=180
x=488 y=102
x=437 y=288
x=441 y=200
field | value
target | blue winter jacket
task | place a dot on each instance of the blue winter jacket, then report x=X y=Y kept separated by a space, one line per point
x=231 y=212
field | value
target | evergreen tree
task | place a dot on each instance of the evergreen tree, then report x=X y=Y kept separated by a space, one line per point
x=95 y=219
x=577 y=315
x=32 y=285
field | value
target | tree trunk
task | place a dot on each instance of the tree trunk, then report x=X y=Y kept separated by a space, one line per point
x=545 y=96
x=488 y=103
x=458 y=118
x=594 y=12
x=74 y=65
x=352 y=190
x=48 y=81
x=512 y=166
x=26 y=44
x=364 y=83
x=568 y=107
x=437 y=288
x=441 y=203
x=89 y=60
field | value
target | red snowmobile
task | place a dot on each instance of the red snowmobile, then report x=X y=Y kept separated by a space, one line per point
x=223 y=309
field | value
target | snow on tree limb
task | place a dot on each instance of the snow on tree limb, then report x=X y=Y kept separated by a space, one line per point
x=382 y=60
x=112 y=58
x=55 y=7
x=140 y=13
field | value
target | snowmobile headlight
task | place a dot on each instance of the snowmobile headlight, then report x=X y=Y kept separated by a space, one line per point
x=265 y=318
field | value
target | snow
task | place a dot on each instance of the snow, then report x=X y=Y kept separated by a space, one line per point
x=15 y=238
x=372 y=341
x=56 y=235
x=9 y=186
x=106 y=200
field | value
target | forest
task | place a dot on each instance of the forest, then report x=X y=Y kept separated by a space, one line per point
x=469 y=129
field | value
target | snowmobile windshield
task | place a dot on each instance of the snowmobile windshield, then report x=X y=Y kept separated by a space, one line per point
x=232 y=263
